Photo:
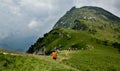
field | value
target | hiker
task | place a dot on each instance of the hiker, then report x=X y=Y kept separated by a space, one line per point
x=54 y=55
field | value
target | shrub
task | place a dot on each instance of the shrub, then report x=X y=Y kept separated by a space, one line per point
x=79 y=25
x=116 y=45
x=78 y=46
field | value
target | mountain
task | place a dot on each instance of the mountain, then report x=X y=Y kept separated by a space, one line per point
x=87 y=27
x=85 y=17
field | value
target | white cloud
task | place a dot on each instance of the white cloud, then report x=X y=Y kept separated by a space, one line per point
x=37 y=5
x=33 y=24
x=11 y=6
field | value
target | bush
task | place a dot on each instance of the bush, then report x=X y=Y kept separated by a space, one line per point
x=92 y=31
x=116 y=45
x=79 y=25
x=78 y=46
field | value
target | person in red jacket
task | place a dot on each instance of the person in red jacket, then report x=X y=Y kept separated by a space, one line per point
x=54 y=55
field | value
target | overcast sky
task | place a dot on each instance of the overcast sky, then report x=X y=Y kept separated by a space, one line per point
x=23 y=21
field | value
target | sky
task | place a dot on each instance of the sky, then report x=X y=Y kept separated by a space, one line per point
x=22 y=22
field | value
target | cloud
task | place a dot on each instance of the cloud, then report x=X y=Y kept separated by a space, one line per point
x=33 y=24
x=10 y=6
x=37 y=3
x=3 y=35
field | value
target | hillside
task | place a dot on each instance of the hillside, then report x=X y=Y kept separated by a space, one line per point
x=10 y=61
x=66 y=38
x=99 y=59
x=94 y=20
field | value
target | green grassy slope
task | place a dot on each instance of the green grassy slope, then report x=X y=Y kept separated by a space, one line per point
x=61 y=38
x=26 y=62
x=68 y=38
x=94 y=60
x=97 y=59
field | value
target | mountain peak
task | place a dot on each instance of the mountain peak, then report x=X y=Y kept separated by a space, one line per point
x=91 y=7
x=84 y=15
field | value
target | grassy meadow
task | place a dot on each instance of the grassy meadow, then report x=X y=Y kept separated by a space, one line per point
x=97 y=59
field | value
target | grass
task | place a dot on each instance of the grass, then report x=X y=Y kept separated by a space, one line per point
x=96 y=59
x=67 y=38
x=25 y=62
